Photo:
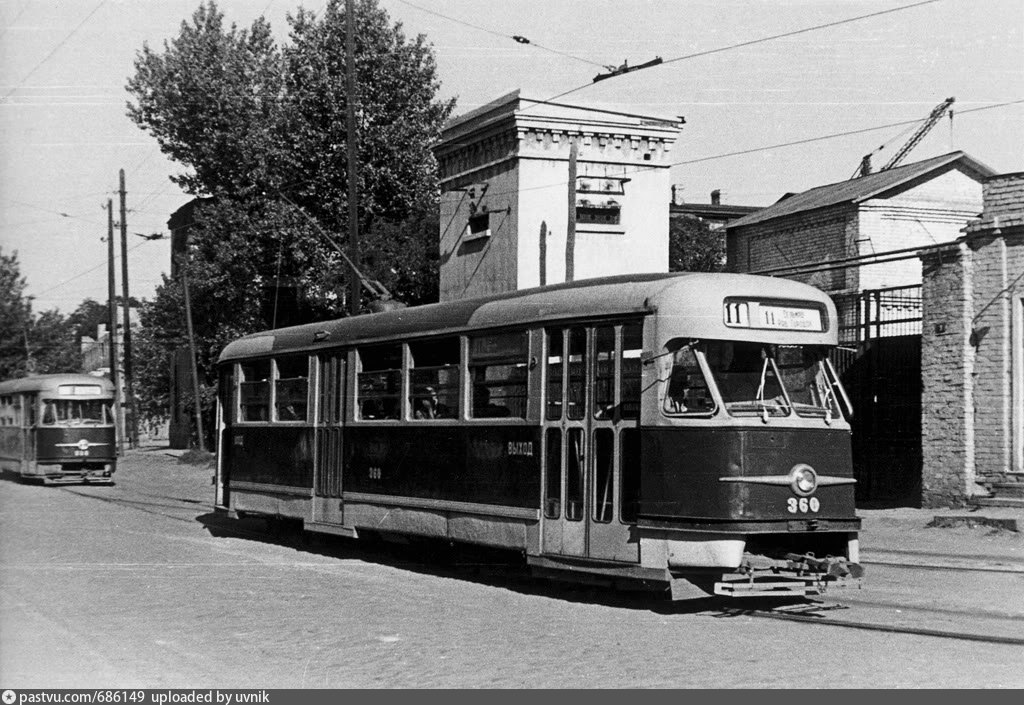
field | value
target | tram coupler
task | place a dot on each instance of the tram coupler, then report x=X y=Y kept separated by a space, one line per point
x=833 y=567
x=797 y=575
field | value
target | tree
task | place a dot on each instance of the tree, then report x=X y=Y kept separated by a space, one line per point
x=262 y=129
x=693 y=246
x=15 y=317
x=30 y=343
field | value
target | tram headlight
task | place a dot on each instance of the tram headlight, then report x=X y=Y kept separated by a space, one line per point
x=803 y=479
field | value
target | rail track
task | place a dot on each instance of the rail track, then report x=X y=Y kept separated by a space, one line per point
x=808 y=612
x=812 y=614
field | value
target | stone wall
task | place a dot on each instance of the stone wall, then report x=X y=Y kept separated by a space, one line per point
x=973 y=352
x=947 y=366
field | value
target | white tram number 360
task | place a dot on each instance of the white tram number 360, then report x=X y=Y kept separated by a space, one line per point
x=802 y=505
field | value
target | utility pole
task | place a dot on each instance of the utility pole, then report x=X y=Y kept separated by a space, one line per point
x=133 y=427
x=355 y=289
x=112 y=329
x=570 y=231
x=192 y=357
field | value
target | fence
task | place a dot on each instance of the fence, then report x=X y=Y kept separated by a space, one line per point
x=879 y=313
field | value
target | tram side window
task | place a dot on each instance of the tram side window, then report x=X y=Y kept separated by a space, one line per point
x=629 y=507
x=6 y=412
x=554 y=374
x=291 y=388
x=604 y=372
x=498 y=366
x=630 y=365
x=687 y=391
x=577 y=383
x=380 y=382
x=434 y=379
x=254 y=390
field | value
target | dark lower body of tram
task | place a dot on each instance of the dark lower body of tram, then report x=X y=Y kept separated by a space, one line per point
x=70 y=455
x=716 y=508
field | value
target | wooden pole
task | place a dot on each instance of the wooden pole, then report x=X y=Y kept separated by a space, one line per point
x=355 y=287
x=197 y=402
x=132 y=427
x=112 y=332
x=570 y=230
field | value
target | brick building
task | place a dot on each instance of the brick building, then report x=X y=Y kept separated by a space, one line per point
x=973 y=354
x=914 y=205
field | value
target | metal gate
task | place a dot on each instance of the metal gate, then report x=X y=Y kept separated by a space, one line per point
x=879 y=362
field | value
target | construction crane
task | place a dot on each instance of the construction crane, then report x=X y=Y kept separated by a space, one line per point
x=924 y=129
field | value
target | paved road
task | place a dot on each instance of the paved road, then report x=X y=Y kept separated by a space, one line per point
x=139 y=585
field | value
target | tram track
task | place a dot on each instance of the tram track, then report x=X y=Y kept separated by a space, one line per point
x=809 y=617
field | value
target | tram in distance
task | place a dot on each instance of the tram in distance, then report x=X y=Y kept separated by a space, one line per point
x=58 y=428
x=682 y=431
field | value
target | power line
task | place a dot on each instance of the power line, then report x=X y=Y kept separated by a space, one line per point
x=799 y=31
x=54 y=50
x=104 y=263
x=515 y=37
x=834 y=135
x=760 y=40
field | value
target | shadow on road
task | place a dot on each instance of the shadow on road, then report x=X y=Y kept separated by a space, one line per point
x=492 y=567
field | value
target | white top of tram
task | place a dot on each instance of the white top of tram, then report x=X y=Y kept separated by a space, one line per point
x=686 y=304
x=76 y=385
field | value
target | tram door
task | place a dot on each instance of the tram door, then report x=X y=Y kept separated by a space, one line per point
x=590 y=418
x=327 y=463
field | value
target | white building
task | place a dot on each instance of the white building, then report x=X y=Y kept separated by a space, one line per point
x=508 y=196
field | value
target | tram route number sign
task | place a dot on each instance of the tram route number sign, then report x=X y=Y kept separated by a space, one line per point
x=790 y=317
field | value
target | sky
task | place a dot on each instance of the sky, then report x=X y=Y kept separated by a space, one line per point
x=64 y=133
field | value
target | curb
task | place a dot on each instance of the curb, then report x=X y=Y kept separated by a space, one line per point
x=973 y=520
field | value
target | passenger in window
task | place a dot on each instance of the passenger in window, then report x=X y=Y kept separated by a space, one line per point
x=482 y=406
x=426 y=405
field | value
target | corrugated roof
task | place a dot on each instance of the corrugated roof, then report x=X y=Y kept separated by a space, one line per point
x=865 y=187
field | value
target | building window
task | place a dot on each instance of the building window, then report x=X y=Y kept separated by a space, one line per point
x=599 y=200
x=609 y=213
x=479 y=226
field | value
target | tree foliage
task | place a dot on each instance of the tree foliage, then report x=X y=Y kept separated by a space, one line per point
x=28 y=342
x=261 y=128
x=693 y=246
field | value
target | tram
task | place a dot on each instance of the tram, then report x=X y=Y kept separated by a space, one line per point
x=58 y=428
x=668 y=430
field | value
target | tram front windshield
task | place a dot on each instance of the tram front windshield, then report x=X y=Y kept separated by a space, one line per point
x=761 y=379
x=76 y=412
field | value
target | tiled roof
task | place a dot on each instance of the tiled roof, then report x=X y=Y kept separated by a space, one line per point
x=865 y=187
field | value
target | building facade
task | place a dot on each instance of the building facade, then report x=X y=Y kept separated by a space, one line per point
x=973 y=354
x=537 y=193
x=907 y=207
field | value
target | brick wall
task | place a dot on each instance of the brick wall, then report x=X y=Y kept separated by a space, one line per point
x=805 y=238
x=947 y=364
x=973 y=352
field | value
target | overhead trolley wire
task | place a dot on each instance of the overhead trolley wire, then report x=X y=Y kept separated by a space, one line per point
x=54 y=50
x=515 y=37
x=836 y=134
x=751 y=42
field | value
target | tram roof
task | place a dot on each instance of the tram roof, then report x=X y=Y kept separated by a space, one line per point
x=43 y=383
x=589 y=298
